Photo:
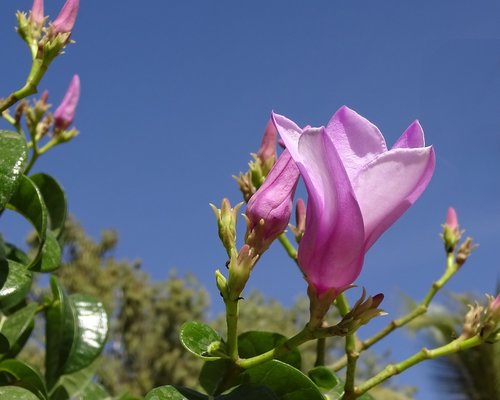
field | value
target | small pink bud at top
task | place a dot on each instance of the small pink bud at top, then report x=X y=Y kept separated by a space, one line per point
x=37 y=12
x=300 y=215
x=494 y=309
x=65 y=113
x=67 y=17
x=45 y=96
x=267 y=148
x=451 y=218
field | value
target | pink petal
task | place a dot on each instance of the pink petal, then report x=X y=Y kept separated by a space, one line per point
x=411 y=138
x=389 y=185
x=331 y=250
x=356 y=139
x=65 y=21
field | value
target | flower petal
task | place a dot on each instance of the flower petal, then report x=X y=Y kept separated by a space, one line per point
x=411 y=138
x=356 y=139
x=331 y=250
x=389 y=185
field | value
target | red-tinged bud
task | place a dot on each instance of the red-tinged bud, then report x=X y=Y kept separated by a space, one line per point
x=464 y=251
x=267 y=151
x=65 y=113
x=300 y=220
x=65 y=21
x=451 y=231
x=37 y=16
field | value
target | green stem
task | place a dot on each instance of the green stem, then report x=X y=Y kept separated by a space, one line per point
x=424 y=354
x=351 y=353
x=288 y=246
x=451 y=269
x=38 y=69
x=320 y=352
x=232 y=328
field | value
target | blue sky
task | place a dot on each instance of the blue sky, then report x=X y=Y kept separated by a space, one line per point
x=176 y=94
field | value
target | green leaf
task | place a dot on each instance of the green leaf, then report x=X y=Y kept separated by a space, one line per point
x=14 y=154
x=197 y=337
x=323 y=378
x=60 y=330
x=15 y=283
x=16 y=393
x=14 y=372
x=90 y=334
x=17 y=326
x=28 y=201
x=14 y=253
x=249 y=392
x=366 y=396
x=51 y=254
x=174 y=393
x=213 y=373
x=4 y=344
x=287 y=382
x=253 y=343
x=72 y=385
x=54 y=199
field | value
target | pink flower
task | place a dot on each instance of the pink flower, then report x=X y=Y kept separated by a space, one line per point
x=269 y=209
x=357 y=189
x=37 y=12
x=65 y=21
x=65 y=113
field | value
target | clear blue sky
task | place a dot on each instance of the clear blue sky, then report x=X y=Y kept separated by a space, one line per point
x=176 y=94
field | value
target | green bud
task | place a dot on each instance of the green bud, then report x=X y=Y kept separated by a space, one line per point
x=226 y=221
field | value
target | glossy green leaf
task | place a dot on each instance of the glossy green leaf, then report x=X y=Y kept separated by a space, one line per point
x=60 y=330
x=73 y=385
x=4 y=344
x=16 y=393
x=14 y=372
x=366 y=396
x=212 y=375
x=28 y=201
x=249 y=392
x=253 y=343
x=90 y=334
x=323 y=378
x=287 y=382
x=14 y=253
x=15 y=283
x=174 y=393
x=51 y=254
x=197 y=337
x=54 y=199
x=16 y=327
x=14 y=155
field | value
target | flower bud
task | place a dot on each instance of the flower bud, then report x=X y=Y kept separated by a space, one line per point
x=269 y=209
x=267 y=151
x=37 y=15
x=221 y=283
x=472 y=321
x=362 y=312
x=451 y=232
x=300 y=220
x=65 y=113
x=464 y=251
x=240 y=266
x=66 y=19
x=226 y=221
x=491 y=325
x=494 y=308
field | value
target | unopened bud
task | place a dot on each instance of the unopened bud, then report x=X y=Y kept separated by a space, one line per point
x=472 y=321
x=20 y=109
x=362 y=312
x=451 y=231
x=300 y=220
x=491 y=325
x=240 y=266
x=464 y=251
x=267 y=151
x=37 y=16
x=246 y=185
x=221 y=282
x=65 y=113
x=226 y=221
x=65 y=21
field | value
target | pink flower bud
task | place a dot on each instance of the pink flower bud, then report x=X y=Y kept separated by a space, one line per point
x=451 y=219
x=65 y=113
x=67 y=17
x=269 y=209
x=267 y=150
x=494 y=309
x=37 y=12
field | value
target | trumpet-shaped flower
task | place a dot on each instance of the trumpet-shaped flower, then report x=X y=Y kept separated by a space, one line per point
x=65 y=113
x=357 y=188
